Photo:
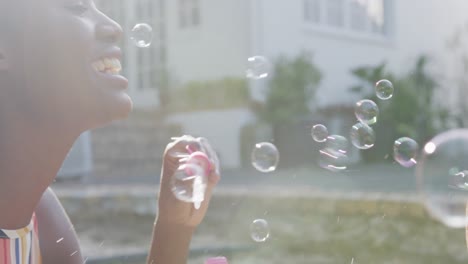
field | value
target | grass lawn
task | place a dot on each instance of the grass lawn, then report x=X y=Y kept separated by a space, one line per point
x=303 y=230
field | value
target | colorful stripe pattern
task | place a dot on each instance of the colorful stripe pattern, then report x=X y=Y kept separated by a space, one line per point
x=20 y=246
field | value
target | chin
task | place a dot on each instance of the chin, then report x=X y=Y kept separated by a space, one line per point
x=119 y=110
x=124 y=108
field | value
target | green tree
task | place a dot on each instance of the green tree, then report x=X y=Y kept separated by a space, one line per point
x=291 y=89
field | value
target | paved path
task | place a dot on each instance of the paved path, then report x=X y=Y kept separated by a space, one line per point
x=371 y=181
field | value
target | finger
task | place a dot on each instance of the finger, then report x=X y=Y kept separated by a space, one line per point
x=208 y=149
x=183 y=159
x=213 y=180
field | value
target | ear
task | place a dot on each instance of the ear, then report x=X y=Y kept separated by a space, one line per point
x=3 y=60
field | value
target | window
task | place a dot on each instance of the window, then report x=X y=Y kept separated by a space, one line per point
x=376 y=15
x=364 y=16
x=147 y=58
x=358 y=15
x=335 y=13
x=312 y=11
x=189 y=13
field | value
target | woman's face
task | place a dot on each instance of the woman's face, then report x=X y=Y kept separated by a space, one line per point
x=64 y=61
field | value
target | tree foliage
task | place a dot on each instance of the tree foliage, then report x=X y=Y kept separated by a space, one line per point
x=291 y=89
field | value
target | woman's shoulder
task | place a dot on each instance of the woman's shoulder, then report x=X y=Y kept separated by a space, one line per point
x=59 y=242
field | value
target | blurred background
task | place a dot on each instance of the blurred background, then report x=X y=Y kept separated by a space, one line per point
x=323 y=56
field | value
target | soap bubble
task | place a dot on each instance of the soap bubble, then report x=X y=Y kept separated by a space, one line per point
x=258 y=67
x=384 y=89
x=405 y=151
x=334 y=157
x=142 y=35
x=338 y=143
x=189 y=183
x=265 y=157
x=319 y=133
x=362 y=136
x=442 y=174
x=259 y=230
x=366 y=111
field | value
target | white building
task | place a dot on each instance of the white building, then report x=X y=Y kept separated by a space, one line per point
x=212 y=39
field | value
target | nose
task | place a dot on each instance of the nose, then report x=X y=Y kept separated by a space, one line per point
x=108 y=30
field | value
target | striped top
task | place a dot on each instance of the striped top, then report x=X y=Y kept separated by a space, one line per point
x=20 y=246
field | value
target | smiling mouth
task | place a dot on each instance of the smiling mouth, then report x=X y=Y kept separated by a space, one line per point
x=111 y=66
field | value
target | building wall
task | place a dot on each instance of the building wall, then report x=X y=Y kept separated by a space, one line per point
x=131 y=148
x=218 y=47
x=221 y=128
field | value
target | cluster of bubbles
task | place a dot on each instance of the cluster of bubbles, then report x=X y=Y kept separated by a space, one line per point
x=441 y=168
x=362 y=136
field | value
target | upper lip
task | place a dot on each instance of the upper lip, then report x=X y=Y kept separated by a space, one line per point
x=111 y=53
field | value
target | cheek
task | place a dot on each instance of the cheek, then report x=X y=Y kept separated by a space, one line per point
x=71 y=51
x=58 y=59
x=56 y=74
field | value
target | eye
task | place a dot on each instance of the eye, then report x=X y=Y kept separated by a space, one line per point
x=78 y=7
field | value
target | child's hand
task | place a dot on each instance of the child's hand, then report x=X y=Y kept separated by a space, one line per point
x=172 y=210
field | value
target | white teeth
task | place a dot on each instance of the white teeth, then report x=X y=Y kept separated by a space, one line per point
x=108 y=62
x=100 y=65
x=107 y=65
x=118 y=66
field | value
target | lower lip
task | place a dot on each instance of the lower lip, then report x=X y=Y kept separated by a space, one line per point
x=118 y=81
